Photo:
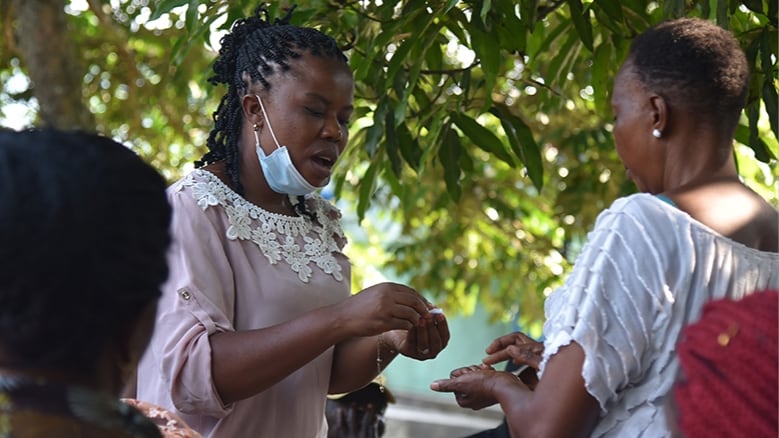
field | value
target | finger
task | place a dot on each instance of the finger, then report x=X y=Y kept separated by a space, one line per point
x=442 y=332
x=443 y=385
x=398 y=324
x=423 y=339
x=463 y=370
x=521 y=338
x=500 y=343
x=522 y=355
x=409 y=297
x=497 y=357
x=403 y=312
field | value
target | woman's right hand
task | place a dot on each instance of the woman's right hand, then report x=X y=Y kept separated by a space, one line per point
x=382 y=307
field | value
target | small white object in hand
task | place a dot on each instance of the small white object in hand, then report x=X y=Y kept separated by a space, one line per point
x=436 y=310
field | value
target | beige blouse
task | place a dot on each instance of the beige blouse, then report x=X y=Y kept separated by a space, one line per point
x=235 y=266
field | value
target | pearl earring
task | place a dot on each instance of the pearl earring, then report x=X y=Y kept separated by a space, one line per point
x=656 y=133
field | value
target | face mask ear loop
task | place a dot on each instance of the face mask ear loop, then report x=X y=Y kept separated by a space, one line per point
x=267 y=122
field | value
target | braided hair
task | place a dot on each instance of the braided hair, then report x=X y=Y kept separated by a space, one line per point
x=255 y=50
x=696 y=65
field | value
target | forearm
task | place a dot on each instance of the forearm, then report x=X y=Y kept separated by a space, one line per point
x=357 y=361
x=516 y=401
x=245 y=363
x=560 y=406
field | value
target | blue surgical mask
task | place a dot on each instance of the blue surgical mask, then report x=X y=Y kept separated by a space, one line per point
x=279 y=170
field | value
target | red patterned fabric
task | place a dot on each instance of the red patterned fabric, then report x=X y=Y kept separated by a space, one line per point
x=729 y=382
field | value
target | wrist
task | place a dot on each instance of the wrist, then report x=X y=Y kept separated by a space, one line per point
x=385 y=352
x=504 y=384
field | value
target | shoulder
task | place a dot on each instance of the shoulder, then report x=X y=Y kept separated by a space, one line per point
x=324 y=208
x=200 y=187
x=328 y=216
x=641 y=211
x=641 y=204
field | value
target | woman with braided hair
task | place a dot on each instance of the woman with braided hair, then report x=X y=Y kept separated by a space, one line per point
x=695 y=233
x=257 y=324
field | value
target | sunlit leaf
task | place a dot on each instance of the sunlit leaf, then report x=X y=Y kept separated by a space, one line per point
x=449 y=154
x=166 y=6
x=581 y=21
x=482 y=137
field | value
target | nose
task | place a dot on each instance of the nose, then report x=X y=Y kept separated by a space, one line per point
x=333 y=130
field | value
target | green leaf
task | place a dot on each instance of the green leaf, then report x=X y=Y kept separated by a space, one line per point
x=603 y=60
x=581 y=21
x=771 y=101
x=487 y=48
x=166 y=6
x=527 y=12
x=522 y=143
x=409 y=147
x=762 y=152
x=191 y=17
x=755 y=5
x=366 y=188
x=706 y=10
x=511 y=30
x=768 y=47
x=376 y=130
x=455 y=21
x=449 y=5
x=485 y=9
x=612 y=9
x=400 y=55
x=449 y=154
x=434 y=57
x=482 y=137
x=391 y=141
x=673 y=8
x=722 y=13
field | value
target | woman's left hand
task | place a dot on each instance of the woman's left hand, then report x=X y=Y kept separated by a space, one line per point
x=473 y=386
x=422 y=342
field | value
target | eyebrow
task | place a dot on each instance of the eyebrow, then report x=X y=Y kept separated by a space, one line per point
x=326 y=101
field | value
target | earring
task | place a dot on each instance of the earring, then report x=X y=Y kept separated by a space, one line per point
x=656 y=133
x=256 y=127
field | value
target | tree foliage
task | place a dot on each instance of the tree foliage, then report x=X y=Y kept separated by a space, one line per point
x=481 y=129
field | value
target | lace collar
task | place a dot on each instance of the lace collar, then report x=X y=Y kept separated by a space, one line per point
x=297 y=240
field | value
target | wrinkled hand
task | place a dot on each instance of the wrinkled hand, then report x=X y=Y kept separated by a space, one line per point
x=428 y=338
x=517 y=347
x=380 y=308
x=473 y=386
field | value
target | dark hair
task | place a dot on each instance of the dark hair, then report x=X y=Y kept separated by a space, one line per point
x=696 y=65
x=255 y=50
x=83 y=235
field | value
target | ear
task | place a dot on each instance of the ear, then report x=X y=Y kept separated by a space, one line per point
x=252 y=111
x=659 y=109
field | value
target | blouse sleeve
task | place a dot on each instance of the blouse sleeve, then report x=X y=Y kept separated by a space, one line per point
x=608 y=305
x=198 y=301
